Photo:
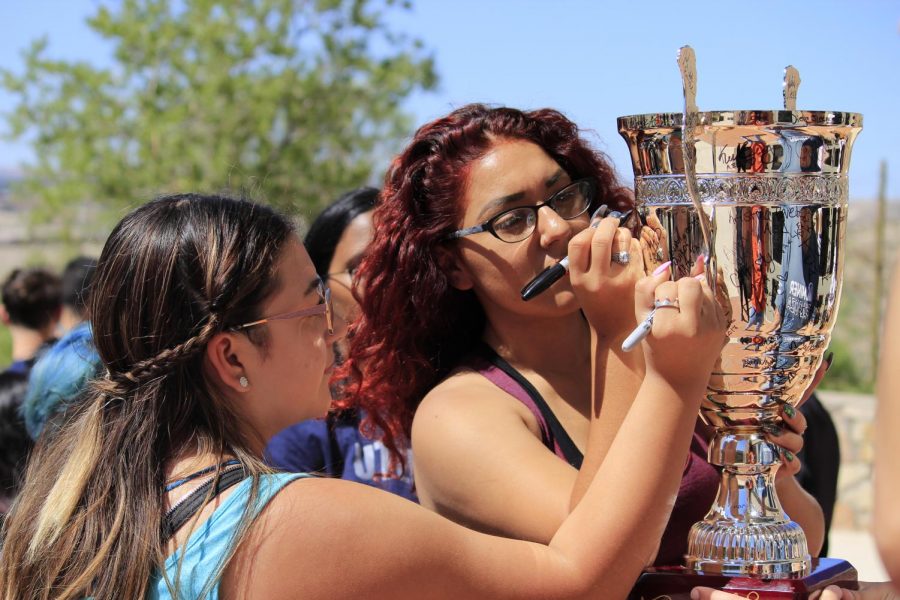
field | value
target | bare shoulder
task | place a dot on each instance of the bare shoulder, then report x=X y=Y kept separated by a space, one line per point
x=466 y=398
x=301 y=542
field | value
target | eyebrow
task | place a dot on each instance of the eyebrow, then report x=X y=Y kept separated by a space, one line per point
x=549 y=183
x=313 y=285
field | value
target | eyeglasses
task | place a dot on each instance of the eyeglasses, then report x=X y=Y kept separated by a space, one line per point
x=324 y=307
x=349 y=272
x=516 y=224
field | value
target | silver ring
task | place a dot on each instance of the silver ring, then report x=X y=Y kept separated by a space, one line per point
x=660 y=254
x=621 y=258
x=666 y=303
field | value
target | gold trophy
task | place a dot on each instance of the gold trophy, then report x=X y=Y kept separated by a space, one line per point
x=763 y=195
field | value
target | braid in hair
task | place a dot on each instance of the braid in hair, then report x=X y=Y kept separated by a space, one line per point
x=157 y=366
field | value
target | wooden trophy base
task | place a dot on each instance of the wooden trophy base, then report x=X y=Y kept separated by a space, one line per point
x=676 y=583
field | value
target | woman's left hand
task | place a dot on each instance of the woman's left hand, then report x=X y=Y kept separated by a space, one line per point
x=788 y=437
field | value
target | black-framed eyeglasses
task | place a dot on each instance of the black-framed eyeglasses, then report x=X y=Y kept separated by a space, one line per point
x=324 y=307
x=516 y=224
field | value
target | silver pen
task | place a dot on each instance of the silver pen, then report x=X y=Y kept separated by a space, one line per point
x=640 y=332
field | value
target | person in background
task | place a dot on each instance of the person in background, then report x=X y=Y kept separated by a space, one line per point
x=76 y=282
x=59 y=377
x=62 y=372
x=15 y=444
x=31 y=305
x=335 y=446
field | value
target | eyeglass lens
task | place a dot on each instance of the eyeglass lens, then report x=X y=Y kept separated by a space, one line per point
x=518 y=223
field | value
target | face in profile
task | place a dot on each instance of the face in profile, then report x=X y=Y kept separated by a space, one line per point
x=342 y=279
x=289 y=373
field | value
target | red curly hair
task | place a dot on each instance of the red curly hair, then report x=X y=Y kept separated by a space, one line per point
x=414 y=327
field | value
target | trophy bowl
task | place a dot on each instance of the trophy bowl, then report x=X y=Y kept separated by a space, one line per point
x=773 y=185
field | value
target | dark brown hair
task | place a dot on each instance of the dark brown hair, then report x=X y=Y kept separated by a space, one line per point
x=32 y=297
x=172 y=274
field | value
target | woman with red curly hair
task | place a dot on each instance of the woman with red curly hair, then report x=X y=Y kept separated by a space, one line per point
x=511 y=406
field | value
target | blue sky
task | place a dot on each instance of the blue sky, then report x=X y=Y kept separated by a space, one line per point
x=598 y=60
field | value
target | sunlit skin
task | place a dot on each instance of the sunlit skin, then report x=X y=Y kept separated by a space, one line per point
x=515 y=173
x=291 y=365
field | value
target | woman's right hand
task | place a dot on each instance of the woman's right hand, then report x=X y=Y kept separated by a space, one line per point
x=687 y=336
x=605 y=287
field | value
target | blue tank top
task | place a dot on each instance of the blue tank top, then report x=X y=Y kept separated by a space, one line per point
x=211 y=541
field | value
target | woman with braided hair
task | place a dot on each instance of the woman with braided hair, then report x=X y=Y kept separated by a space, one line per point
x=215 y=332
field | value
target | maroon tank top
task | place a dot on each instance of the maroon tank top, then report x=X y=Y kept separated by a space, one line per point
x=699 y=482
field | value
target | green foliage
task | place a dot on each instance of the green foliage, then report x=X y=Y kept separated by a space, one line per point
x=291 y=101
x=5 y=347
x=845 y=374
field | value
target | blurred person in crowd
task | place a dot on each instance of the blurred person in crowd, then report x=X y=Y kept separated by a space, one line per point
x=62 y=372
x=31 y=305
x=14 y=441
x=76 y=282
x=335 y=446
x=510 y=406
x=59 y=377
x=216 y=333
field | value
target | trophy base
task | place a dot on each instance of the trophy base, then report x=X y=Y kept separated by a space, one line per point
x=676 y=583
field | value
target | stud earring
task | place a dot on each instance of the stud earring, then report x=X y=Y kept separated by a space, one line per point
x=243 y=381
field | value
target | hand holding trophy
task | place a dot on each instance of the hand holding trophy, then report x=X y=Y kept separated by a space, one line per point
x=762 y=195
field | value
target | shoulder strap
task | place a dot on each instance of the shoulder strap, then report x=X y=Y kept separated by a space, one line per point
x=562 y=441
x=176 y=518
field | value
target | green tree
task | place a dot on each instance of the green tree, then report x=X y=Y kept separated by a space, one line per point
x=292 y=101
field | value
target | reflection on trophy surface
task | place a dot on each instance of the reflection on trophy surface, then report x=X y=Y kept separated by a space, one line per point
x=774 y=189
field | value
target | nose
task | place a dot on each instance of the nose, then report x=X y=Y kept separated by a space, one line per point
x=551 y=227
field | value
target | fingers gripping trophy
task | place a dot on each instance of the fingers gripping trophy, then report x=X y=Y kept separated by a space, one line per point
x=762 y=194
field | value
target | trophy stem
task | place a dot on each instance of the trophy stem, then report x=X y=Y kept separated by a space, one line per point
x=746 y=532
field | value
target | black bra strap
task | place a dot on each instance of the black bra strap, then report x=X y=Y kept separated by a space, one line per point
x=176 y=518
x=573 y=455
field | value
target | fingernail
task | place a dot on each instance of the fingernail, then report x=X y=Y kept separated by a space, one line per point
x=695 y=595
x=661 y=268
x=828 y=359
x=621 y=216
x=772 y=429
x=789 y=411
x=789 y=455
x=598 y=215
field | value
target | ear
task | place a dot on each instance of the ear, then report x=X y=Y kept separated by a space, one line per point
x=223 y=354
x=4 y=315
x=456 y=270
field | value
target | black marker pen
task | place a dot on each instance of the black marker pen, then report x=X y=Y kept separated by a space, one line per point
x=551 y=275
